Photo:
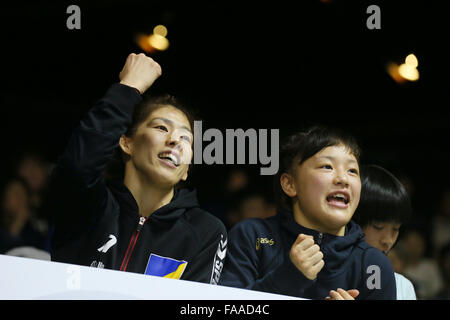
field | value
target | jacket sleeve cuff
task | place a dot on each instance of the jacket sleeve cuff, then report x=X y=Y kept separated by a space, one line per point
x=123 y=96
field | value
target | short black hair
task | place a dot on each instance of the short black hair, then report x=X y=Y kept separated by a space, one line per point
x=383 y=198
x=303 y=145
x=152 y=103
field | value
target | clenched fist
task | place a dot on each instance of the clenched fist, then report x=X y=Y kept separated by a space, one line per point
x=306 y=256
x=139 y=72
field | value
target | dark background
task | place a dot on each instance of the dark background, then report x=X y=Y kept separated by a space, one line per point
x=277 y=64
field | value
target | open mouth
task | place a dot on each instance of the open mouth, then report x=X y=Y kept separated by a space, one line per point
x=170 y=158
x=339 y=199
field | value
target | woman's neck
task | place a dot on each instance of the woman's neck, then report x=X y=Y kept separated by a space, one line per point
x=149 y=197
x=303 y=220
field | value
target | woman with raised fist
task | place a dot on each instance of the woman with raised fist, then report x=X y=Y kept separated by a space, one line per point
x=139 y=221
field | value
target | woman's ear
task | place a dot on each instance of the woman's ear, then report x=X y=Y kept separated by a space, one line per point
x=287 y=184
x=124 y=144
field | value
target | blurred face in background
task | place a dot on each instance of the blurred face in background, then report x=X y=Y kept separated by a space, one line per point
x=414 y=245
x=382 y=235
x=15 y=197
x=397 y=262
x=256 y=207
x=35 y=173
x=15 y=204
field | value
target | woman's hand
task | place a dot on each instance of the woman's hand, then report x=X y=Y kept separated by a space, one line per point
x=306 y=256
x=341 y=294
x=139 y=72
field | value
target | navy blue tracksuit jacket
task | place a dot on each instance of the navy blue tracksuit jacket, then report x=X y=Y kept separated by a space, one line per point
x=258 y=259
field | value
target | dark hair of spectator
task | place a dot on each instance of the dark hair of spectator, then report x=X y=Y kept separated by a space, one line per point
x=383 y=198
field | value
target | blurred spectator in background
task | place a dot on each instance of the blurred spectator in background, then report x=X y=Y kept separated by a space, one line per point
x=220 y=202
x=383 y=208
x=18 y=225
x=29 y=252
x=36 y=172
x=407 y=183
x=397 y=256
x=249 y=203
x=444 y=266
x=237 y=180
x=242 y=196
x=421 y=270
x=420 y=217
x=441 y=223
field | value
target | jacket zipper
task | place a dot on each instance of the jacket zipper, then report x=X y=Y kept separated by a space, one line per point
x=132 y=243
x=319 y=240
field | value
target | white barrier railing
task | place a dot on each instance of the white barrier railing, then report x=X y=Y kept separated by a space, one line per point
x=25 y=278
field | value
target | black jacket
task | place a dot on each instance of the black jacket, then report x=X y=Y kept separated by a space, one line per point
x=97 y=223
x=258 y=259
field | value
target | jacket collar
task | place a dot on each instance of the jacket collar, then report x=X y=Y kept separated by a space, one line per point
x=182 y=200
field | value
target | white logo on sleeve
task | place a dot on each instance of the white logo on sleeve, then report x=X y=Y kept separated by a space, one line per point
x=112 y=241
x=219 y=260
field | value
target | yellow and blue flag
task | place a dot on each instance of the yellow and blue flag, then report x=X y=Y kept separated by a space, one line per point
x=165 y=267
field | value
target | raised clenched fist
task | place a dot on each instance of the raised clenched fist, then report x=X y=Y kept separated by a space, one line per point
x=306 y=256
x=139 y=72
